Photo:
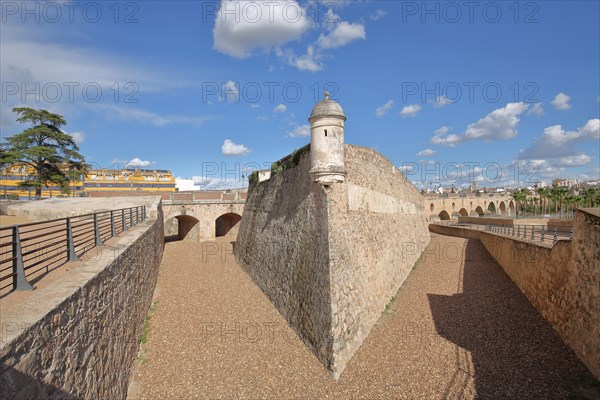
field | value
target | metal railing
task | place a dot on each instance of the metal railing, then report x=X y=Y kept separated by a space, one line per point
x=534 y=233
x=30 y=251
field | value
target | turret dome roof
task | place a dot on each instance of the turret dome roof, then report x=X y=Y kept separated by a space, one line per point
x=327 y=108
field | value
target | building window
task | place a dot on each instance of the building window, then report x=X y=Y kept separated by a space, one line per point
x=325 y=132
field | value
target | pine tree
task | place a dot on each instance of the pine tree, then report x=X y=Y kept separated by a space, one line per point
x=49 y=151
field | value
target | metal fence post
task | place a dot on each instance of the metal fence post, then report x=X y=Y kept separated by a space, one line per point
x=113 y=228
x=19 y=280
x=70 y=246
x=130 y=216
x=554 y=240
x=144 y=213
x=532 y=232
x=123 y=220
x=571 y=234
x=97 y=238
x=524 y=231
x=137 y=215
x=518 y=230
x=543 y=233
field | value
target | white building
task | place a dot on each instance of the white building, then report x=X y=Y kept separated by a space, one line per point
x=182 y=184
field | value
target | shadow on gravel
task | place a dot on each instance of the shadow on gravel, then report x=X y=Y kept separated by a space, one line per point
x=515 y=353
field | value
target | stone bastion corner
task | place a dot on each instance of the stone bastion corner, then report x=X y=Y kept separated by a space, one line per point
x=331 y=256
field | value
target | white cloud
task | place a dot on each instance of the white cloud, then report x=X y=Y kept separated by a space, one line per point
x=441 y=101
x=537 y=109
x=244 y=26
x=147 y=117
x=500 y=124
x=558 y=144
x=442 y=130
x=378 y=15
x=381 y=111
x=35 y=58
x=254 y=105
x=78 y=137
x=426 y=153
x=576 y=160
x=410 y=110
x=230 y=92
x=341 y=35
x=281 y=108
x=211 y=183
x=230 y=148
x=450 y=140
x=137 y=162
x=311 y=61
x=561 y=102
x=299 y=131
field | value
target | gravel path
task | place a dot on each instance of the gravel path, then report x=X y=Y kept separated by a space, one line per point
x=458 y=329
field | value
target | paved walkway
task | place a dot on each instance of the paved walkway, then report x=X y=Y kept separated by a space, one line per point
x=458 y=329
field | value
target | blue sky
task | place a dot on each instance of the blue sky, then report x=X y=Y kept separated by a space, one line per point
x=499 y=92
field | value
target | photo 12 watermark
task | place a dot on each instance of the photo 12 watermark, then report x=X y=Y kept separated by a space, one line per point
x=70 y=92
x=443 y=93
x=52 y=12
x=268 y=91
x=454 y=12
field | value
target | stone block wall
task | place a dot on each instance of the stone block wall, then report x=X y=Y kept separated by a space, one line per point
x=561 y=280
x=584 y=324
x=78 y=338
x=282 y=244
x=331 y=257
x=376 y=234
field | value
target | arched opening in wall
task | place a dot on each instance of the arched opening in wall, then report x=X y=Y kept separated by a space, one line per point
x=180 y=228
x=492 y=207
x=479 y=211
x=463 y=212
x=225 y=224
x=444 y=216
x=431 y=207
x=453 y=206
x=511 y=208
x=502 y=208
x=185 y=224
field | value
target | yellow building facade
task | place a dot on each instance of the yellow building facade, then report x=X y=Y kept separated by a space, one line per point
x=95 y=180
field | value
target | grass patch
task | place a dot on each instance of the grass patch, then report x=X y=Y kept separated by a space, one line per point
x=146 y=333
x=417 y=263
x=388 y=306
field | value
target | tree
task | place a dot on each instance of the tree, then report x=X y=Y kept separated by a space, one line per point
x=519 y=196
x=43 y=147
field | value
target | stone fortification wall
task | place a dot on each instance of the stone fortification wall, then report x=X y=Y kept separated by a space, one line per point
x=376 y=234
x=78 y=338
x=283 y=245
x=562 y=281
x=331 y=257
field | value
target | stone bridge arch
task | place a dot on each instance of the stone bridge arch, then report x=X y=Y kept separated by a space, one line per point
x=444 y=216
x=198 y=221
x=227 y=224
x=473 y=204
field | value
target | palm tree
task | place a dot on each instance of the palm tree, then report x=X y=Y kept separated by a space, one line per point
x=542 y=193
x=519 y=196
